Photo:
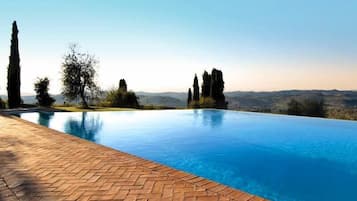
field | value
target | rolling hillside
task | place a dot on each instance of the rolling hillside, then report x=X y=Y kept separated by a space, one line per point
x=251 y=101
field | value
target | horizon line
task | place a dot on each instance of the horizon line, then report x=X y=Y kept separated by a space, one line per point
x=253 y=91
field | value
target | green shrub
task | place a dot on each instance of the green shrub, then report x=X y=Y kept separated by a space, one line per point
x=342 y=113
x=194 y=104
x=121 y=98
x=308 y=107
x=204 y=102
x=295 y=107
x=207 y=102
x=42 y=95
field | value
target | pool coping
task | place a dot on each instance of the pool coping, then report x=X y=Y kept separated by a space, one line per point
x=198 y=188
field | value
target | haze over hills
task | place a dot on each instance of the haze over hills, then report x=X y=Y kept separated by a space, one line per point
x=244 y=100
x=258 y=101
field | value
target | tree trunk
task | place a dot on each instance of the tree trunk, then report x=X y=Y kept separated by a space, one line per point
x=84 y=101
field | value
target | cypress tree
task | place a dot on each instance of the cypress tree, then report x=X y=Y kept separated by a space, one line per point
x=217 y=87
x=122 y=85
x=13 y=73
x=189 y=97
x=206 y=84
x=196 y=89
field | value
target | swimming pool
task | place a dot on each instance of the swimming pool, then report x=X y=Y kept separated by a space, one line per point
x=274 y=156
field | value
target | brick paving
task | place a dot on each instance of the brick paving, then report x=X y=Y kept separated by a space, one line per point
x=37 y=163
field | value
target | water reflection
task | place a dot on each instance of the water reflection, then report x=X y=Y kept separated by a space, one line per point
x=214 y=118
x=45 y=118
x=87 y=127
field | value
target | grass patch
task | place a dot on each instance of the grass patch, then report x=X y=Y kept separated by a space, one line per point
x=156 y=107
x=91 y=109
x=73 y=108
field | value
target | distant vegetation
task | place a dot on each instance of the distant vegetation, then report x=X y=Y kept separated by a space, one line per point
x=308 y=107
x=212 y=91
x=79 y=87
x=120 y=97
x=42 y=95
x=321 y=103
x=342 y=113
x=338 y=104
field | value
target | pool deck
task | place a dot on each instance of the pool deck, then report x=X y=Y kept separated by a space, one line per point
x=37 y=163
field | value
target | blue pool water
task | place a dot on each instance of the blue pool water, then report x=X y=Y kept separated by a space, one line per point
x=275 y=156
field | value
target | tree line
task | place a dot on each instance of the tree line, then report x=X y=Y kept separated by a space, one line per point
x=212 y=88
x=78 y=80
x=79 y=83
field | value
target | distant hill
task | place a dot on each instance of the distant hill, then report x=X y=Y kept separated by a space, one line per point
x=277 y=100
x=244 y=100
x=259 y=101
x=177 y=95
x=161 y=101
x=30 y=99
x=169 y=99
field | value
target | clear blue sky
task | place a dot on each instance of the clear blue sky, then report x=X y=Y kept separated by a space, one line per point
x=159 y=45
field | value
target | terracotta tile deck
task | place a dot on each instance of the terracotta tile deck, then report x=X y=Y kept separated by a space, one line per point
x=37 y=163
